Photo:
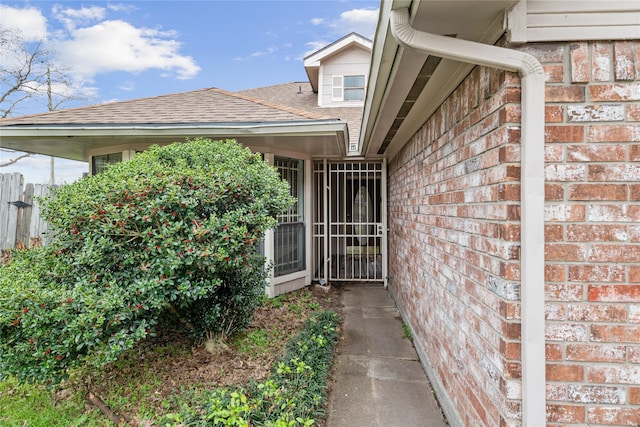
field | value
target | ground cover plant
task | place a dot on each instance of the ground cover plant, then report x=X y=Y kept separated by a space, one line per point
x=166 y=372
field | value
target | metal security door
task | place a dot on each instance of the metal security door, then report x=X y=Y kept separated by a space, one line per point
x=350 y=221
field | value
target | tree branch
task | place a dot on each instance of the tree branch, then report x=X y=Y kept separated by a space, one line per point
x=12 y=161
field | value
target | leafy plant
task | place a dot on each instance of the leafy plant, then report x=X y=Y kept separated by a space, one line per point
x=175 y=229
x=293 y=395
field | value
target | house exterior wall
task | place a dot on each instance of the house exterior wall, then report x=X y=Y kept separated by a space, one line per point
x=355 y=61
x=454 y=240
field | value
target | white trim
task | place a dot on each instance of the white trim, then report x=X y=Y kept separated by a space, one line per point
x=335 y=86
x=532 y=193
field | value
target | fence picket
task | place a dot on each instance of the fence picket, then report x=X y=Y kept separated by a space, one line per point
x=21 y=226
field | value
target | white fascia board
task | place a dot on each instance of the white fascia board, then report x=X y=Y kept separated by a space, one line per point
x=314 y=59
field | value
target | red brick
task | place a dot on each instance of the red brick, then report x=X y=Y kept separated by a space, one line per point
x=633 y=113
x=565 y=252
x=624 y=61
x=596 y=273
x=634 y=395
x=613 y=415
x=597 y=233
x=564 y=133
x=554 y=114
x=510 y=349
x=565 y=413
x=580 y=72
x=554 y=273
x=634 y=153
x=589 y=192
x=614 y=293
x=553 y=73
x=596 y=312
x=601 y=62
x=553 y=153
x=614 y=333
x=509 y=153
x=510 y=114
x=554 y=312
x=614 y=133
x=565 y=372
x=617 y=172
x=634 y=273
x=553 y=352
x=553 y=233
x=564 y=292
x=634 y=193
x=614 y=92
x=633 y=353
x=596 y=353
x=596 y=152
x=597 y=394
x=553 y=192
x=613 y=213
x=510 y=270
x=565 y=172
x=546 y=53
x=564 y=94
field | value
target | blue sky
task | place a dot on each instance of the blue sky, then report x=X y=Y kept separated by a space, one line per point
x=132 y=49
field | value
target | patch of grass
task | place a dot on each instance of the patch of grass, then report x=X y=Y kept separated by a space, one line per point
x=258 y=342
x=33 y=405
x=406 y=332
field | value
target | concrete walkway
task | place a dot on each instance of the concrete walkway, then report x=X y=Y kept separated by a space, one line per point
x=379 y=381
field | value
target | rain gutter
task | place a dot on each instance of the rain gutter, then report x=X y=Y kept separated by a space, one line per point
x=532 y=190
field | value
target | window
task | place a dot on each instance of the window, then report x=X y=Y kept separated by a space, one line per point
x=100 y=163
x=289 y=242
x=348 y=88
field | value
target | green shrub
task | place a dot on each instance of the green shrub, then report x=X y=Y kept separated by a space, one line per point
x=176 y=228
x=293 y=395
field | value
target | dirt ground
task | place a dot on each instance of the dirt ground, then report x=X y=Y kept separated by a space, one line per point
x=169 y=364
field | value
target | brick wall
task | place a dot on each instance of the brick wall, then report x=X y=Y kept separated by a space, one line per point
x=454 y=213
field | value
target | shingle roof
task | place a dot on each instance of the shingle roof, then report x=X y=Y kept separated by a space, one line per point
x=299 y=95
x=210 y=105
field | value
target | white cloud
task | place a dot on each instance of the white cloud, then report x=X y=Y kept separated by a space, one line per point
x=361 y=21
x=71 y=18
x=268 y=51
x=317 y=21
x=127 y=86
x=29 y=21
x=116 y=45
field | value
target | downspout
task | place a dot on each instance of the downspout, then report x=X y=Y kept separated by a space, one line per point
x=532 y=191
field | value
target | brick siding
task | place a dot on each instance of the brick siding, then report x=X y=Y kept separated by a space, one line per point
x=454 y=240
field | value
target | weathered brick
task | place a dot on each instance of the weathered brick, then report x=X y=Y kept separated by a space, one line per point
x=612 y=415
x=614 y=92
x=601 y=62
x=566 y=133
x=596 y=312
x=565 y=172
x=613 y=213
x=553 y=233
x=565 y=413
x=580 y=72
x=597 y=233
x=564 y=372
x=634 y=152
x=614 y=253
x=624 y=61
x=554 y=312
x=617 y=172
x=596 y=152
x=596 y=353
x=553 y=73
x=565 y=94
x=566 y=331
x=633 y=113
x=564 y=292
x=612 y=374
x=597 y=394
x=596 y=273
x=596 y=113
x=634 y=273
x=614 y=293
x=633 y=354
x=614 y=333
x=554 y=153
x=546 y=53
x=634 y=313
x=598 y=192
x=613 y=133
x=634 y=395
x=634 y=193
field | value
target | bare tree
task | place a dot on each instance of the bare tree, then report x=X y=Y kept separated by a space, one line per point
x=29 y=71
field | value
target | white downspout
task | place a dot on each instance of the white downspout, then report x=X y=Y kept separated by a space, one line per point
x=532 y=191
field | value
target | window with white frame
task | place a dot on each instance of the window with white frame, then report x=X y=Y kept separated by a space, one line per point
x=100 y=163
x=289 y=242
x=348 y=88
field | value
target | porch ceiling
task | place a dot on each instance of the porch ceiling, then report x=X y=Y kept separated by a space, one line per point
x=406 y=86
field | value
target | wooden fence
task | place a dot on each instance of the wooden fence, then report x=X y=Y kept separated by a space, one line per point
x=21 y=225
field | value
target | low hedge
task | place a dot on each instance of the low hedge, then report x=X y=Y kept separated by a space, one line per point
x=293 y=395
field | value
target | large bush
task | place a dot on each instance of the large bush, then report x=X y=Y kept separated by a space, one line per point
x=175 y=229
